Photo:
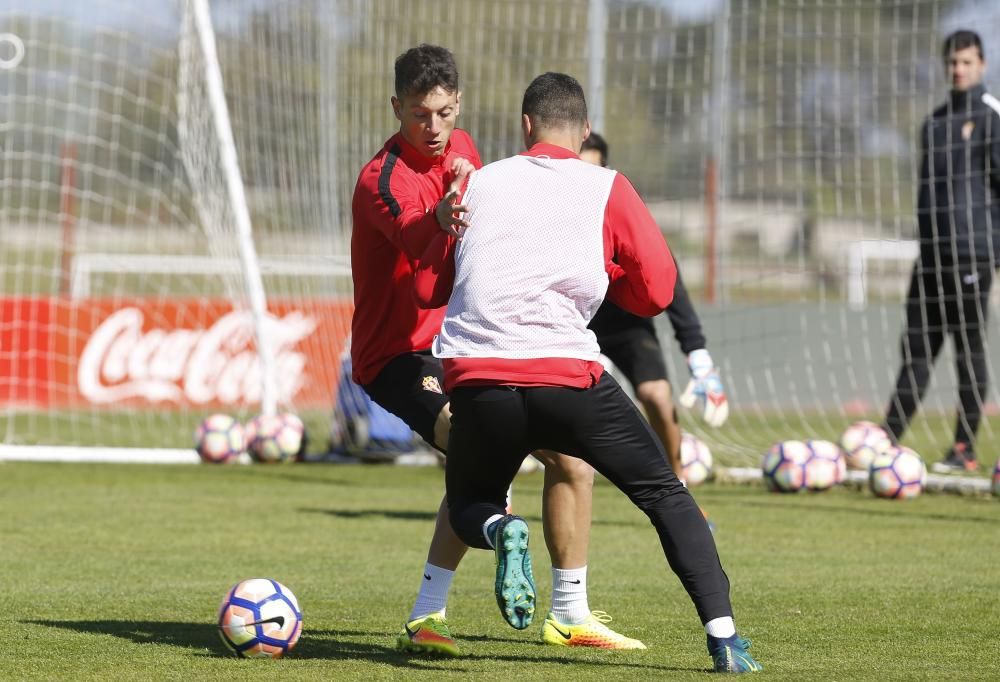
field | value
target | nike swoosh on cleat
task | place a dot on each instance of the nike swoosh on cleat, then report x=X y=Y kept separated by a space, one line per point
x=565 y=635
x=411 y=633
x=426 y=577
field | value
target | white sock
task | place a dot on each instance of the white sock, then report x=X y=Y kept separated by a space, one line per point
x=433 y=595
x=721 y=627
x=569 y=595
x=486 y=528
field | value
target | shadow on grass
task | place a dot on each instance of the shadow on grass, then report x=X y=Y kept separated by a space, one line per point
x=891 y=508
x=188 y=635
x=334 y=645
x=279 y=471
x=411 y=515
x=532 y=651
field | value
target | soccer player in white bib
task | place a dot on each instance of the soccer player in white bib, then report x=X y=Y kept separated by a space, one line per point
x=546 y=238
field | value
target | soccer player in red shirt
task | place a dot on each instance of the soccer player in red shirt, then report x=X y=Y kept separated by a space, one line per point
x=547 y=237
x=399 y=206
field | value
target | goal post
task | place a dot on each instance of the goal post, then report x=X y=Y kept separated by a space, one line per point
x=208 y=152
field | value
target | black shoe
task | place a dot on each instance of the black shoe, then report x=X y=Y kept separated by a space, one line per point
x=959 y=460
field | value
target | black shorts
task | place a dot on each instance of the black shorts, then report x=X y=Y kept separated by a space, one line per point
x=411 y=386
x=636 y=351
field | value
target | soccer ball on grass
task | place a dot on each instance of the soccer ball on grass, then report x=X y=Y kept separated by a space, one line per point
x=219 y=439
x=260 y=618
x=784 y=466
x=862 y=442
x=275 y=438
x=825 y=466
x=897 y=473
x=696 y=460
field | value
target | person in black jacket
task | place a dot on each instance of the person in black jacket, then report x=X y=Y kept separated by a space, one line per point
x=631 y=343
x=958 y=213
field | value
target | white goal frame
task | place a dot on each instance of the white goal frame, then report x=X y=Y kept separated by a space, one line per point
x=85 y=265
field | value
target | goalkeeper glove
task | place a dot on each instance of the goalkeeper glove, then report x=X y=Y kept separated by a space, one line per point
x=705 y=387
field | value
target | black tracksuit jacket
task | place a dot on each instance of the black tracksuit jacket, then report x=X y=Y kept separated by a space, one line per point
x=958 y=203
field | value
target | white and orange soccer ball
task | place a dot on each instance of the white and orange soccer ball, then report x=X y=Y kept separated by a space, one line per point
x=696 y=460
x=825 y=466
x=862 y=442
x=897 y=473
x=275 y=438
x=219 y=439
x=260 y=618
x=784 y=466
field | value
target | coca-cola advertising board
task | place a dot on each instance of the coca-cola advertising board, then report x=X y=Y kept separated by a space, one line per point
x=170 y=353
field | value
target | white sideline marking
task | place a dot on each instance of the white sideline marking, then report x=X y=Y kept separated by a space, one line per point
x=44 y=453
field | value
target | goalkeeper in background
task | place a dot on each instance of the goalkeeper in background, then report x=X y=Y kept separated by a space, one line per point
x=958 y=215
x=632 y=344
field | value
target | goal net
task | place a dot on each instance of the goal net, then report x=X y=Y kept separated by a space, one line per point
x=776 y=144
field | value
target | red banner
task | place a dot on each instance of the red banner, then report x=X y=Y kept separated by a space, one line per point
x=171 y=353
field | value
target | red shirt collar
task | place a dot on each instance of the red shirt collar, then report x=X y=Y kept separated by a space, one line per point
x=550 y=150
x=413 y=158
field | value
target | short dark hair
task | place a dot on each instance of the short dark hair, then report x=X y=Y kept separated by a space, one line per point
x=555 y=100
x=960 y=40
x=425 y=67
x=598 y=144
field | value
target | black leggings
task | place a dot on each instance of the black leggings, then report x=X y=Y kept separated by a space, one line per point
x=493 y=428
x=950 y=300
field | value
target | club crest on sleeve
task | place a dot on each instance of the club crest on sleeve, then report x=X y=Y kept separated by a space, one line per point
x=967 y=129
x=432 y=384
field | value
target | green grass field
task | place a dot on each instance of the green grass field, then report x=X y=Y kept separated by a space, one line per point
x=116 y=571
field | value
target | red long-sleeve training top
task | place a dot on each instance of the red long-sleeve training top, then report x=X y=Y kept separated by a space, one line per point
x=393 y=210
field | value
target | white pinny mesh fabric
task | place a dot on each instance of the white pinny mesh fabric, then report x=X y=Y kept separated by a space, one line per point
x=530 y=270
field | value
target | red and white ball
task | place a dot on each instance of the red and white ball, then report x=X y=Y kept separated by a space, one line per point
x=825 y=466
x=219 y=439
x=260 y=618
x=897 y=473
x=275 y=438
x=862 y=442
x=784 y=466
x=696 y=460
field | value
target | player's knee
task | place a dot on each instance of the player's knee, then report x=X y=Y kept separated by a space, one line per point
x=565 y=468
x=656 y=395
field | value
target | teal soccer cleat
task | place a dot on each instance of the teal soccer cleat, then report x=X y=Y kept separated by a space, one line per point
x=515 y=585
x=730 y=655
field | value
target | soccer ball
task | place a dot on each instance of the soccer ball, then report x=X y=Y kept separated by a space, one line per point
x=219 y=439
x=784 y=466
x=996 y=479
x=861 y=442
x=825 y=466
x=897 y=473
x=696 y=460
x=275 y=438
x=260 y=618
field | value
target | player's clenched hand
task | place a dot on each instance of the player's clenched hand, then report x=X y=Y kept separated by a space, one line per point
x=706 y=389
x=447 y=211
